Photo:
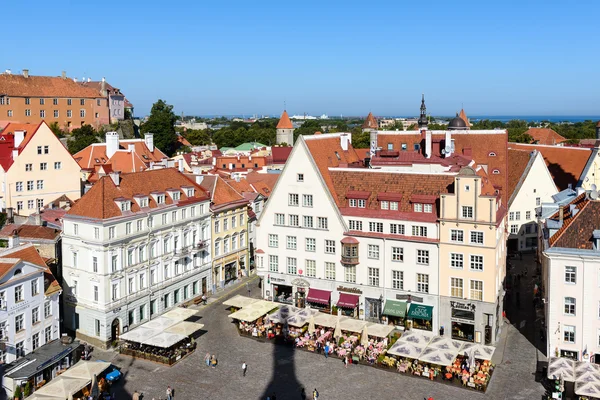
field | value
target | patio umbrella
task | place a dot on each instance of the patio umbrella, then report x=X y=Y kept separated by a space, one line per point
x=311 y=325
x=337 y=331
x=70 y=396
x=95 y=388
x=364 y=337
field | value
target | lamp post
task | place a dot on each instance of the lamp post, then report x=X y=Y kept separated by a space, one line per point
x=380 y=307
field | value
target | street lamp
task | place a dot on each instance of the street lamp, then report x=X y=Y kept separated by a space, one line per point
x=380 y=306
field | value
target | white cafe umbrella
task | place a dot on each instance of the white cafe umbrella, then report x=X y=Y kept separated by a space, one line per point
x=364 y=337
x=95 y=389
x=311 y=325
x=337 y=332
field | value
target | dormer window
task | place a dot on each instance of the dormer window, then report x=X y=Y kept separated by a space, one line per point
x=189 y=192
x=176 y=196
x=142 y=201
x=125 y=205
x=418 y=207
x=360 y=203
x=389 y=205
x=159 y=198
x=492 y=154
x=403 y=146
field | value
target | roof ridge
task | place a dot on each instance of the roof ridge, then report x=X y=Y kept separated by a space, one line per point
x=572 y=218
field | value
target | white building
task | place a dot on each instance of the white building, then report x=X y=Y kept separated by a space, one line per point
x=570 y=259
x=134 y=245
x=530 y=184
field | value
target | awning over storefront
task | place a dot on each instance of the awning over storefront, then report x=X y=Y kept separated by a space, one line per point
x=395 y=308
x=348 y=300
x=319 y=296
x=420 y=311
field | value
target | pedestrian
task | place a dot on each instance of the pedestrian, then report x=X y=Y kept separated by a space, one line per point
x=346 y=362
x=169 y=393
x=244 y=368
x=207 y=359
x=248 y=288
x=136 y=396
x=326 y=351
x=213 y=361
x=315 y=394
x=204 y=298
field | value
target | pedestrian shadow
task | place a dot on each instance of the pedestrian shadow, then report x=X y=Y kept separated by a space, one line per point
x=284 y=382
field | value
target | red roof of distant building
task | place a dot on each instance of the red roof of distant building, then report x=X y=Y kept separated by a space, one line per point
x=370 y=122
x=284 y=121
x=14 y=85
x=545 y=136
x=27 y=252
x=280 y=154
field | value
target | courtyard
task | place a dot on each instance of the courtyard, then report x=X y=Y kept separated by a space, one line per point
x=283 y=371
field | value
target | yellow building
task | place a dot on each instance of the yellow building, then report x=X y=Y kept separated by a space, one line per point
x=229 y=221
x=472 y=258
x=36 y=168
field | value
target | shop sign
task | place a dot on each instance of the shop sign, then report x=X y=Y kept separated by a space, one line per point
x=461 y=306
x=349 y=290
x=462 y=321
x=20 y=306
x=277 y=280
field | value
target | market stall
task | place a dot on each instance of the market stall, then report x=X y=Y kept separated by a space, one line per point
x=348 y=336
x=139 y=334
x=180 y=314
x=478 y=351
x=62 y=387
x=86 y=369
x=185 y=328
x=251 y=319
x=160 y=323
x=561 y=368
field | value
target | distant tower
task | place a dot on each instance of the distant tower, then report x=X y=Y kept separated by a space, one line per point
x=423 y=117
x=285 y=130
x=370 y=123
x=464 y=117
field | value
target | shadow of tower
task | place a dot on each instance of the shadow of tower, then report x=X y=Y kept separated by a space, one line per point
x=284 y=382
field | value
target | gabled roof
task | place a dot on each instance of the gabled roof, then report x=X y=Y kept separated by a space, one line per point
x=545 y=136
x=463 y=116
x=284 y=121
x=280 y=154
x=123 y=160
x=7 y=136
x=110 y=89
x=28 y=253
x=222 y=193
x=370 y=122
x=99 y=201
x=518 y=160
x=44 y=86
x=581 y=218
x=29 y=232
x=566 y=164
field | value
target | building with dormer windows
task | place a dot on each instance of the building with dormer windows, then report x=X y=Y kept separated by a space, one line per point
x=134 y=246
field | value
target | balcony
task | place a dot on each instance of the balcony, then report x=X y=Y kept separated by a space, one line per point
x=349 y=260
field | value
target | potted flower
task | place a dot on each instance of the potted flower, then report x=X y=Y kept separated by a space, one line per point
x=18 y=393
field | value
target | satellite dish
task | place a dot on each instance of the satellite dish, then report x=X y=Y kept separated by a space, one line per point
x=594 y=195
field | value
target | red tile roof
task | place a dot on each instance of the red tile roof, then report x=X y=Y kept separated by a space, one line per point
x=370 y=122
x=29 y=232
x=518 y=161
x=566 y=164
x=545 y=136
x=123 y=160
x=7 y=140
x=280 y=154
x=28 y=253
x=577 y=228
x=99 y=201
x=463 y=116
x=44 y=86
x=284 y=121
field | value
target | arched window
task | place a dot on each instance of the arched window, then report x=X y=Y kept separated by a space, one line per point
x=492 y=154
x=496 y=171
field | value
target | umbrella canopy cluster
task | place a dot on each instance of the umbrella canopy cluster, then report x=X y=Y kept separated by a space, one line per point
x=254 y=311
x=240 y=301
x=72 y=381
x=585 y=375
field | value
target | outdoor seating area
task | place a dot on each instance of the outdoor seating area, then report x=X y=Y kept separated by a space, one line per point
x=165 y=339
x=415 y=352
x=82 y=381
x=578 y=379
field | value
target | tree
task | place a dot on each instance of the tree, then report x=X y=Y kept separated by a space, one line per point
x=198 y=137
x=361 y=140
x=161 y=123
x=82 y=138
x=55 y=128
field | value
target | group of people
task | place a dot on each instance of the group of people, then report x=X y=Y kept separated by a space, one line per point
x=211 y=361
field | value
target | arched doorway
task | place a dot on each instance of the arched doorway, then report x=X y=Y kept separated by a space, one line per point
x=115 y=330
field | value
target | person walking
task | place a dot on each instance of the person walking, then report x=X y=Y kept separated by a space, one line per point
x=315 y=394
x=207 y=359
x=326 y=351
x=244 y=368
x=346 y=362
x=169 y=393
x=136 y=395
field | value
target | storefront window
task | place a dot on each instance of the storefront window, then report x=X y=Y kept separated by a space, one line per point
x=463 y=331
x=282 y=294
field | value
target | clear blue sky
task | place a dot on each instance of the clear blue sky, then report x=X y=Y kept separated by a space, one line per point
x=245 y=57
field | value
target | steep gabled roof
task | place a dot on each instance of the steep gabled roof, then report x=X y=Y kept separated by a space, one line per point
x=370 y=122
x=28 y=253
x=518 y=160
x=280 y=154
x=581 y=218
x=44 y=86
x=284 y=121
x=123 y=160
x=29 y=232
x=6 y=151
x=463 y=116
x=545 y=136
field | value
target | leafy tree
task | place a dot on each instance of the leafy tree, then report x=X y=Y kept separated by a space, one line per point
x=55 y=128
x=82 y=138
x=161 y=123
x=361 y=140
x=516 y=131
x=198 y=137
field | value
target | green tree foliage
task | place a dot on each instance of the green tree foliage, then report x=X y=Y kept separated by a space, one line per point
x=55 y=128
x=82 y=138
x=198 y=137
x=161 y=123
x=361 y=140
x=238 y=132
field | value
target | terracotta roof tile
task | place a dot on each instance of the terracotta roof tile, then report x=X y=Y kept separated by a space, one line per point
x=123 y=160
x=280 y=154
x=284 y=121
x=463 y=116
x=566 y=164
x=518 y=161
x=44 y=86
x=545 y=136
x=28 y=253
x=370 y=122
x=577 y=229
x=6 y=151
x=29 y=232
x=99 y=201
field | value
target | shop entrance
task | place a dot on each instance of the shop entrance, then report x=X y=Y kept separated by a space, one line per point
x=301 y=298
x=372 y=309
x=282 y=294
x=204 y=285
x=115 y=330
x=463 y=331
x=230 y=271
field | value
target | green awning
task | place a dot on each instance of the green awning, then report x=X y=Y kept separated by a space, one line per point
x=395 y=308
x=420 y=311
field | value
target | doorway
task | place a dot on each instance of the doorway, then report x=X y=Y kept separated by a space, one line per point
x=115 y=330
x=204 y=285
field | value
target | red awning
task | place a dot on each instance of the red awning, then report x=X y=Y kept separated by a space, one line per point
x=348 y=300
x=318 y=296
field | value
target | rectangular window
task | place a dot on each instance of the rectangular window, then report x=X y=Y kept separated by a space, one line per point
x=75 y=260
x=476 y=237
x=279 y=219
x=428 y=208
x=355 y=225
x=311 y=268
x=373 y=251
x=397 y=229
x=20 y=349
x=82 y=102
x=19 y=322
x=40 y=185
x=329 y=246
x=398 y=280
x=273 y=240
x=456 y=260
x=330 y=271
x=457 y=235
x=476 y=263
x=422 y=283
x=538 y=201
x=273 y=263
x=294 y=220
x=42 y=113
x=35 y=341
x=55 y=102
x=217 y=226
x=111 y=232
x=19 y=186
x=292 y=266
x=322 y=223
x=69 y=113
x=511 y=216
x=113 y=262
x=28 y=167
x=292 y=199
x=27 y=100
x=58 y=165
x=570 y=274
x=570 y=306
x=28 y=114
x=311 y=244
x=477 y=290
x=233 y=222
x=385 y=205
x=350 y=274
x=423 y=257
x=96 y=293
x=30 y=204
x=373 y=276
x=467 y=212
x=35 y=315
x=300 y=177
x=418 y=207
x=308 y=221
x=48 y=334
x=456 y=287
x=307 y=200
x=43 y=166
x=514 y=229
x=76 y=229
x=47 y=309
x=419 y=231
x=362 y=203
x=352 y=203
x=34 y=287
x=376 y=227
x=398 y=254
x=56 y=114
x=569 y=334
x=291 y=243
x=29 y=185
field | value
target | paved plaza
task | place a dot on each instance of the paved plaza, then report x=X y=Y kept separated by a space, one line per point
x=282 y=370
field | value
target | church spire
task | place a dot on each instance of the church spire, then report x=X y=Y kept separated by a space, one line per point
x=423 y=117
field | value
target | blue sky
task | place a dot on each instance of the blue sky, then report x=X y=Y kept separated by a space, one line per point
x=334 y=57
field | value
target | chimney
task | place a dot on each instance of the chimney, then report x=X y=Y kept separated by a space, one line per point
x=38 y=217
x=149 y=139
x=131 y=147
x=103 y=87
x=428 y=143
x=199 y=179
x=112 y=143
x=26 y=73
x=115 y=176
x=64 y=74
x=19 y=137
x=180 y=164
x=13 y=240
x=560 y=215
x=344 y=140
x=448 y=144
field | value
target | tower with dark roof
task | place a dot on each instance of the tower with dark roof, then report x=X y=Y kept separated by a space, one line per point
x=423 y=117
x=285 y=130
